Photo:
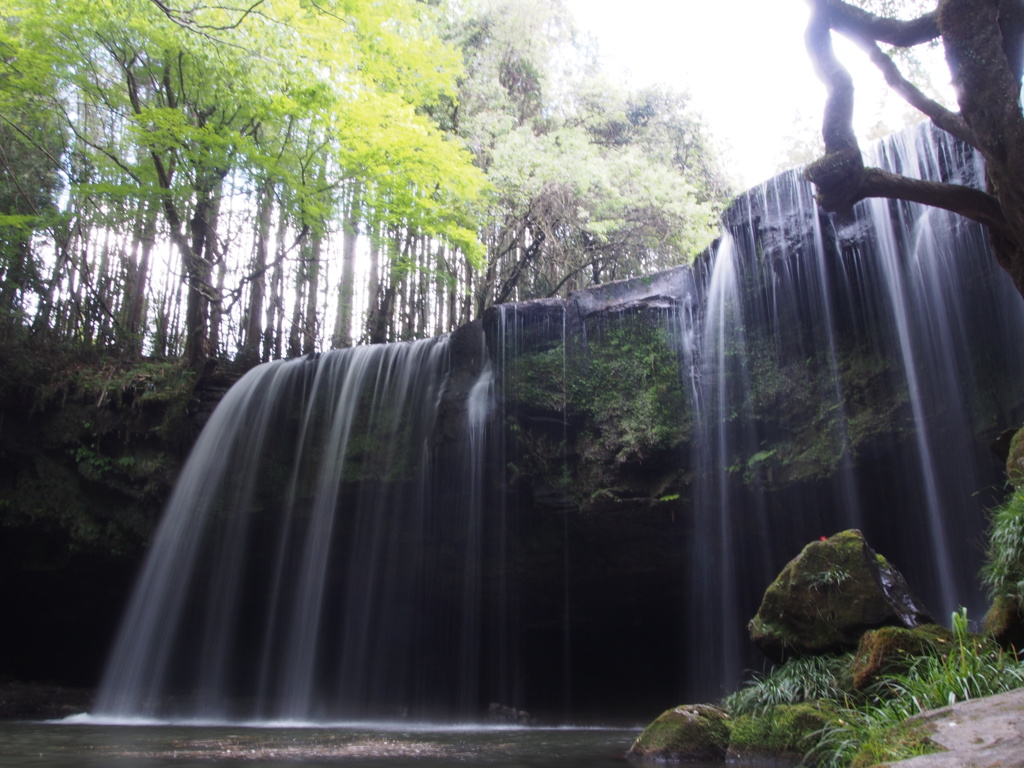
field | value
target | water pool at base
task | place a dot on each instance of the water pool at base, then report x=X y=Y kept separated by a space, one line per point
x=61 y=745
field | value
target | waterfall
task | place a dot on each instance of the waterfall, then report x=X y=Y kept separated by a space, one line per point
x=896 y=296
x=287 y=580
x=575 y=506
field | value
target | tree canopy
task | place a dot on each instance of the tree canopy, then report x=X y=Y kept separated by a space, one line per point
x=983 y=42
x=271 y=177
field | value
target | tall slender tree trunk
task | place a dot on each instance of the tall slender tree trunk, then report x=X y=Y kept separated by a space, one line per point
x=295 y=329
x=215 y=258
x=375 y=294
x=252 y=334
x=136 y=299
x=275 y=309
x=311 y=322
x=342 y=336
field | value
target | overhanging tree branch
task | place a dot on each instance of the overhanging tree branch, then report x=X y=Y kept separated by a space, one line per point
x=969 y=202
x=984 y=46
x=841 y=176
x=839 y=173
x=947 y=120
x=868 y=30
x=849 y=19
x=187 y=18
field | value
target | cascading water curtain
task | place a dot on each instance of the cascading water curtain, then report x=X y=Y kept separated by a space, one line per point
x=311 y=564
x=386 y=532
x=842 y=385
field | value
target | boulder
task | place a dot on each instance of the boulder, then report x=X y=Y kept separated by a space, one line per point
x=684 y=733
x=1005 y=622
x=504 y=714
x=829 y=595
x=889 y=650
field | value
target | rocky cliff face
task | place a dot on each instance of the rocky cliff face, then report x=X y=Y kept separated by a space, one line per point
x=678 y=435
x=652 y=453
x=90 y=449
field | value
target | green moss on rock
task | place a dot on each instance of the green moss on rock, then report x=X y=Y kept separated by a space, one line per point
x=1004 y=622
x=783 y=733
x=1015 y=460
x=600 y=416
x=828 y=596
x=686 y=732
x=901 y=742
x=792 y=399
x=893 y=649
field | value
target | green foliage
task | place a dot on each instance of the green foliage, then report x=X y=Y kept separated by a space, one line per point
x=625 y=385
x=804 y=679
x=155 y=117
x=968 y=667
x=1003 y=572
x=782 y=730
x=860 y=739
x=972 y=667
x=829 y=577
x=590 y=182
x=793 y=400
x=630 y=386
x=89 y=447
x=891 y=650
x=583 y=408
x=868 y=726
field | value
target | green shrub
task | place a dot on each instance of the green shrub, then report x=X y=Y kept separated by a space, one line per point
x=1003 y=572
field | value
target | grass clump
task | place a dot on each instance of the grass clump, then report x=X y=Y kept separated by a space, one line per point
x=876 y=731
x=867 y=724
x=862 y=738
x=803 y=679
x=1003 y=572
x=886 y=651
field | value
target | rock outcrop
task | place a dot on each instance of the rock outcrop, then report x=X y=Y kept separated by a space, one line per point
x=828 y=596
x=684 y=733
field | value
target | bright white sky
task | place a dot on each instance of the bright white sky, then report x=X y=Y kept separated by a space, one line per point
x=743 y=62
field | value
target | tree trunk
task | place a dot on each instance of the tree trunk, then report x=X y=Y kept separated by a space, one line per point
x=252 y=335
x=373 y=290
x=342 y=336
x=214 y=258
x=311 y=324
x=295 y=332
x=984 y=46
x=136 y=299
x=275 y=309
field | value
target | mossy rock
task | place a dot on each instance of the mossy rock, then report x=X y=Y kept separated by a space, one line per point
x=828 y=596
x=1015 y=460
x=1004 y=622
x=687 y=732
x=900 y=742
x=784 y=733
x=893 y=649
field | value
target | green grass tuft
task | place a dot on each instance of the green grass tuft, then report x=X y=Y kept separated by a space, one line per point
x=1003 y=572
x=809 y=678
